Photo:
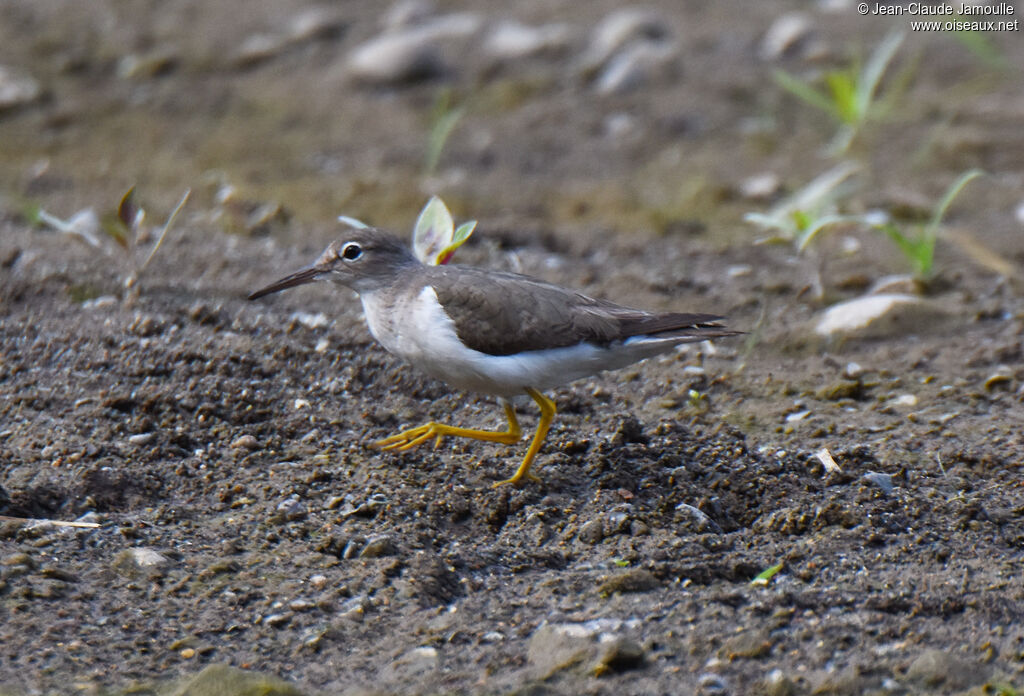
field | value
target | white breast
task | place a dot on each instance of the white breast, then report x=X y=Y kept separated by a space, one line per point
x=427 y=339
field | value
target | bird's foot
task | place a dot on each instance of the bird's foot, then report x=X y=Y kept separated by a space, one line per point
x=517 y=479
x=414 y=437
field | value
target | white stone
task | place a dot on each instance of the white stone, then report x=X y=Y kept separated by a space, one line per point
x=883 y=314
x=17 y=89
x=620 y=28
x=636 y=65
x=405 y=55
x=784 y=34
x=513 y=40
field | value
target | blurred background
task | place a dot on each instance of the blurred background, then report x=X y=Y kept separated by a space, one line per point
x=656 y=118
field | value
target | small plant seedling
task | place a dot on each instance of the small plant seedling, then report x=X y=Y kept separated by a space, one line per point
x=979 y=45
x=443 y=121
x=125 y=228
x=435 y=237
x=919 y=247
x=850 y=93
x=801 y=217
x=765 y=576
x=697 y=401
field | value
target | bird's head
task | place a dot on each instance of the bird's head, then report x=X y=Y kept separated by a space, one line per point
x=363 y=259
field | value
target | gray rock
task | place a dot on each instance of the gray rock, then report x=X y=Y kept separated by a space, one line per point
x=883 y=481
x=591 y=532
x=406 y=13
x=631 y=580
x=637 y=65
x=786 y=35
x=378 y=546
x=554 y=648
x=141 y=439
x=711 y=684
x=620 y=28
x=777 y=684
x=141 y=562
x=511 y=40
x=314 y=23
x=593 y=647
x=224 y=680
x=245 y=442
x=697 y=519
x=618 y=654
x=937 y=668
x=355 y=609
x=17 y=89
x=412 y=54
x=153 y=63
x=414 y=666
x=890 y=314
x=258 y=48
x=760 y=187
x=278 y=620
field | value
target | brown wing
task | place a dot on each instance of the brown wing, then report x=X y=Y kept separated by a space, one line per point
x=504 y=313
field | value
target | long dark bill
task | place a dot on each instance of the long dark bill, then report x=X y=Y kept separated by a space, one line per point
x=306 y=275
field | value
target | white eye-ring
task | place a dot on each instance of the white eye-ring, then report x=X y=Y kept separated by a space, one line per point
x=351 y=251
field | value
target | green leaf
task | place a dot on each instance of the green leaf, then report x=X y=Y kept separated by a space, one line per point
x=766 y=575
x=951 y=193
x=811 y=230
x=114 y=228
x=919 y=251
x=444 y=123
x=875 y=69
x=129 y=213
x=166 y=228
x=434 y=231
x=843 y=88
x=463 y=233
x=804 y=91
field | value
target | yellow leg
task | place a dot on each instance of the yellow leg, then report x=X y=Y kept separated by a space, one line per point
x=413 y=437
x=547 y=414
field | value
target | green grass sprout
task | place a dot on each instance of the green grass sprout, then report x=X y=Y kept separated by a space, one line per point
x=445 y=118
x=849 y=96
x=125 y=228
x=800 y=218
x=765 y=576
x=981 y=47
x=919 y=248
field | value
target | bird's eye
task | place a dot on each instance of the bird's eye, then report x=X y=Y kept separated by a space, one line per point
x=351 y=251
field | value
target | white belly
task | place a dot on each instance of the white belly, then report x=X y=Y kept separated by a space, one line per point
x=428 y=341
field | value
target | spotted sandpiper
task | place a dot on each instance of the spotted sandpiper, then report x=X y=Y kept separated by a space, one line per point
x=487 y=331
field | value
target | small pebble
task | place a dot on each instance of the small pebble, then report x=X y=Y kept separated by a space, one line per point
x=378 y=546
x=276 y=620
x=17 y=89
x=883 y=481
x=591 y=532
x=511 y=40
x=785 y=35
x=761 y=187
x=141 y=440
x=245 y=442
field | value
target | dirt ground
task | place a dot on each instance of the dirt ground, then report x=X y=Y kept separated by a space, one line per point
x=221 y=447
